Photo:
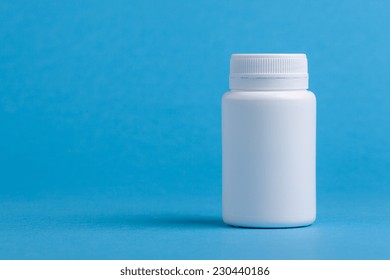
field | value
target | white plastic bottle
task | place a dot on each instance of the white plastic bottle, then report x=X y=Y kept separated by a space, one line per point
x=269 y=142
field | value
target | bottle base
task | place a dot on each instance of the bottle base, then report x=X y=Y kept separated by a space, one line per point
x=268 y=224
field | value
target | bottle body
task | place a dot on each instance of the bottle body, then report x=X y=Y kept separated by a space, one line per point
x=268 y=158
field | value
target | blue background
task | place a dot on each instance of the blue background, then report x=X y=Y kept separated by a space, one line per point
x=110 y=141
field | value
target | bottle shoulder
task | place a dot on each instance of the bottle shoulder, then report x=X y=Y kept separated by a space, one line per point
x=269 y=95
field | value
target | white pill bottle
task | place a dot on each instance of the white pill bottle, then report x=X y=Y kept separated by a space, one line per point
x=269 y=142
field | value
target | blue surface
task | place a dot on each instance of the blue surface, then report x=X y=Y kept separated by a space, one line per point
x=110 y=144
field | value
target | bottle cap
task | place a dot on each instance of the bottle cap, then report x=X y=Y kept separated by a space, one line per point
x=268 y=72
